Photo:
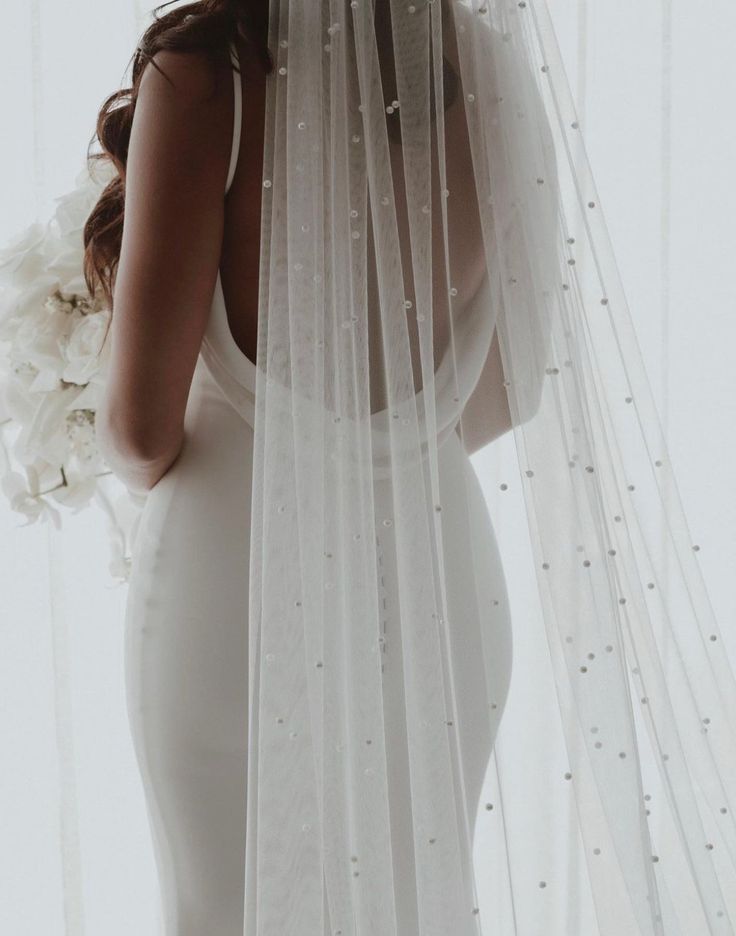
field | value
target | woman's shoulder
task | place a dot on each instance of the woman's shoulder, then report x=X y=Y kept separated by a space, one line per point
x=184 y=110
x=187 y=78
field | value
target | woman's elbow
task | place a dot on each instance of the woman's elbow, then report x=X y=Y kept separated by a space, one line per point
x=125 y=438
x=138 y=452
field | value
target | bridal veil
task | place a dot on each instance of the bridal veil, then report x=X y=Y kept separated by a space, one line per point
x=361 y=375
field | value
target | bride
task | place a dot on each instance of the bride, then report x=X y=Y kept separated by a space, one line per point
x=341 y=264
x=185 y=330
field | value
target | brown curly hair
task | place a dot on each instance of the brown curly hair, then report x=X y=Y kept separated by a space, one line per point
x=207 y=26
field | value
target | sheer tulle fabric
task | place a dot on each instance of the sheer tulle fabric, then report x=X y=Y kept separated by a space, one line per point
x=371 y=221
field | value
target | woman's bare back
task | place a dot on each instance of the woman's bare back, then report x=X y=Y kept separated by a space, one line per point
x=241 y=248
x=239 y=268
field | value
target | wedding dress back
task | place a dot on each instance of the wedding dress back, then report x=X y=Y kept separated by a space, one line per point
x=188 y=629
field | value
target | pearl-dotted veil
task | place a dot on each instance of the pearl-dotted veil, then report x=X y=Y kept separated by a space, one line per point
x=427 y=209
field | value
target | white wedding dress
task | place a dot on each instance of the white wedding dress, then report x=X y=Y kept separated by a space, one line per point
x=186 y=646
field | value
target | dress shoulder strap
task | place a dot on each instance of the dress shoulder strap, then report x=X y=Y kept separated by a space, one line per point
x=237 y=116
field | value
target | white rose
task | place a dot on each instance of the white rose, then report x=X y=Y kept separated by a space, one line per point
x=84 y=457
x=23 y=495
x=21 y=500
x=83 y=348
x=15 y=304
x=45 y=436
x=76 y=494
x=40 y=336
x=19 y=400
x=66 y=264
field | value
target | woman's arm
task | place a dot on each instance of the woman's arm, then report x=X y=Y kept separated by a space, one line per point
x=486 y=415
x=172 y=237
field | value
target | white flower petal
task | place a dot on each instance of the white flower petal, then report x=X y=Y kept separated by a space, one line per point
x=75 y=495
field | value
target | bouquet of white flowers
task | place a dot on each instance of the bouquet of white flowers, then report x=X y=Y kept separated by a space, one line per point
x=53 y=362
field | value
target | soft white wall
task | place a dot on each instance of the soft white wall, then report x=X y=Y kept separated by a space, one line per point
x=669 y=198
x=655 y=85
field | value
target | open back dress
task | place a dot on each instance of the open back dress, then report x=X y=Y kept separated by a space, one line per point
x=186 y=644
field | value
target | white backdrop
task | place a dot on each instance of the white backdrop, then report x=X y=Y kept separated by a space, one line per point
x=654 y=90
